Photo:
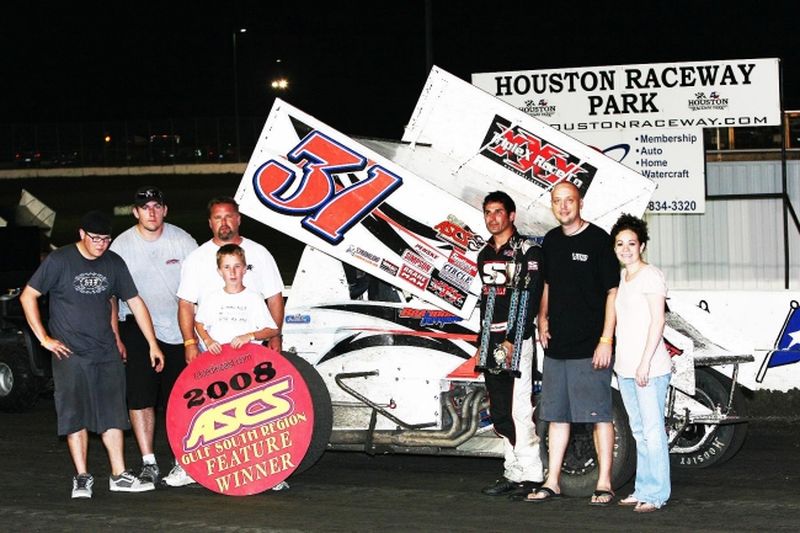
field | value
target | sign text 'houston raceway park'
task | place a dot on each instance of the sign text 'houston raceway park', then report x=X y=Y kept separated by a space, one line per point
x=649 y=116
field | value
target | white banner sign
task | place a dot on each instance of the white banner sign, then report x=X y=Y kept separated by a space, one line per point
x=656 y=111
x=317 y=185
x=673 y=158
x=662 y=95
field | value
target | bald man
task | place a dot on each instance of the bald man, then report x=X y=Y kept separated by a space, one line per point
x=576 y=328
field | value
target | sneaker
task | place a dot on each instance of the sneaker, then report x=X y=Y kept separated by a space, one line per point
x=502 y=487
x=150 y=472
x=82 y=486
x=283 y=485
x=178 y=477
x=127 y=482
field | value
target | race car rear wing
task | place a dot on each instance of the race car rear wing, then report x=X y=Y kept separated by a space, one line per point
x=410 y=213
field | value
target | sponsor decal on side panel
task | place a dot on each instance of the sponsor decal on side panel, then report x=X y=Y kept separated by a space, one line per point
x=240 y=422
x=417 y=262
x=447 y=292
x=453 y=231
x=426 y=252
x=297 y=319
x=535 y=159
x=364 y=255
x=413 y=277
x=463 y=262
x=456 y=276
x=388 y=266
x=430 y=317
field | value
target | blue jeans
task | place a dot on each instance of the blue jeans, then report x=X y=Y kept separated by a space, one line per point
x=645 y=407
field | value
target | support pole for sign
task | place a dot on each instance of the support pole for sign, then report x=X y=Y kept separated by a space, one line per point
x=428 y=36
x=784 y=188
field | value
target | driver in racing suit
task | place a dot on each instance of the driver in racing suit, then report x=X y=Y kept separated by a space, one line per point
x=510 y=266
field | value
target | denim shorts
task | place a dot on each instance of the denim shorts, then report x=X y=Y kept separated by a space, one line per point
x=573 y=391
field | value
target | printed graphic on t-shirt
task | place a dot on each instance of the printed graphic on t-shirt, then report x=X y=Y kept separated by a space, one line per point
x=230 y=315
x=90 y=283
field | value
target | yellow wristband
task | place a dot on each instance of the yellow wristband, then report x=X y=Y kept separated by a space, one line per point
x=189 y=342
x=606 y=340
x=45 y=341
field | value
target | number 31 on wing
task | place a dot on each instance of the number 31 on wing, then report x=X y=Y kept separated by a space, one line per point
x=329 y=208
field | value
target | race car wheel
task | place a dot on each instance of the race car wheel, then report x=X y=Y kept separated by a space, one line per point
x=579 y=469
x=19 y=387
x=323 y=411
x=704 y=445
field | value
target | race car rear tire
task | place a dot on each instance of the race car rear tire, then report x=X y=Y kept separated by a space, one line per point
x=323 y=411
x=19 y=387
x=580 y=469
x=722 y=441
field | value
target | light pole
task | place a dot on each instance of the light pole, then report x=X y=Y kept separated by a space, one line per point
x=236 y=96
x=279 y=82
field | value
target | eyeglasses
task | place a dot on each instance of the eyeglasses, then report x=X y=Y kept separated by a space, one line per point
x=98 y=239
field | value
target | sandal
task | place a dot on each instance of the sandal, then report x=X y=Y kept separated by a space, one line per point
x=549 y=494
x=628 y=501
x=644 y=507
x=599 y=498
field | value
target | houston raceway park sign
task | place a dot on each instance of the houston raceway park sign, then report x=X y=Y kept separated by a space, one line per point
x=649 y=117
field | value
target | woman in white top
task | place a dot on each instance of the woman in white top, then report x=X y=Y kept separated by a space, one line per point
x=642 y=363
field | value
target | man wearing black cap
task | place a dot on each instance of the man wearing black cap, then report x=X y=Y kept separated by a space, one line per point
x=88 y=373
x=154 y=251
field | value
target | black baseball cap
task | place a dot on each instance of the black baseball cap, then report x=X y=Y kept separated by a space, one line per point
x=96 y=222
x=148 y=194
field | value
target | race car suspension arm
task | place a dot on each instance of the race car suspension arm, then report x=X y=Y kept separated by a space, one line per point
x=374 y=406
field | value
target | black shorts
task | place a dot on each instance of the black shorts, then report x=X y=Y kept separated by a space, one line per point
x=89 y=394
x=146 y=387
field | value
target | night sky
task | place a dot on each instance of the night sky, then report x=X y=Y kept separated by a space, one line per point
x=359 y=68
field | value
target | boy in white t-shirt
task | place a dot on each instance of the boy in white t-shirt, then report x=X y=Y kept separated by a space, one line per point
x=233 y=314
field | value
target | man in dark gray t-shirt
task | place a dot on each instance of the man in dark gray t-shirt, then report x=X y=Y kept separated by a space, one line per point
x=89 y=377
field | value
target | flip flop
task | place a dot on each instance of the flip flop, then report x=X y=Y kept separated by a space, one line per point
x=628 y=501
x=599 y=494
x=549 y=493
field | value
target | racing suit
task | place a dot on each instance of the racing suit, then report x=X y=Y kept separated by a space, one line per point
x=512 y=288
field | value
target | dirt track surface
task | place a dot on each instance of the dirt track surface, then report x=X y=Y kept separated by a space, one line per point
x=758 y=490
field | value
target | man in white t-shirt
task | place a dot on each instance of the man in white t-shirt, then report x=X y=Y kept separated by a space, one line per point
x=199 y=278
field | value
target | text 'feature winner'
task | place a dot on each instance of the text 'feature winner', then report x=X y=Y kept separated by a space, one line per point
x=240 y=422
